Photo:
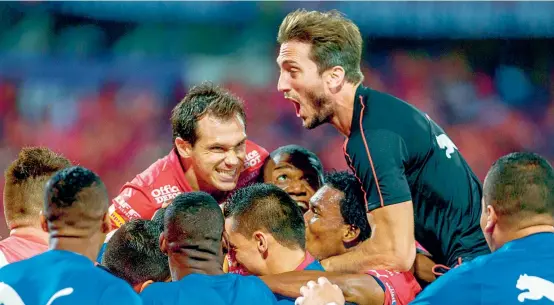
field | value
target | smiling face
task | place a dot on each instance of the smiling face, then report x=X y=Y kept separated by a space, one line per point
x=300 y=181
x=303 y=85
x=325 y=225
x=218 y=153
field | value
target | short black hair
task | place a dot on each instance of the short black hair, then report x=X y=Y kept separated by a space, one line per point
x=300 y=157
x=133 y=253
x=194 y=219
x=268 y=208
x=158 y=218
x=203 y=99
x=352 y=205
x=520 y=186
x=75 y=195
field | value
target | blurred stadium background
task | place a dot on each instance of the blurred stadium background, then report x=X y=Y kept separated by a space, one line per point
x=96 y=80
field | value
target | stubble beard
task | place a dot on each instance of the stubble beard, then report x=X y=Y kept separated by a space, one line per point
x=322 y=107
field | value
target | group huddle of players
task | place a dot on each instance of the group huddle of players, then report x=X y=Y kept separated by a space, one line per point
x=219 y=220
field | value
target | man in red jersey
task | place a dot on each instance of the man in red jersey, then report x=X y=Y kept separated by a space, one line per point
x=26 y=178
x=211 y=153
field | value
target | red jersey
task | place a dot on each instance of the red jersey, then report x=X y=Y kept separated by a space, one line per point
x=400 y=287
x=164 y=180
x=16 y=248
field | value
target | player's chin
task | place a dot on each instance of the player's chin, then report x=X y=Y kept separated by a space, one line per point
x=225 y=186
x=311 y=123
x=314 y=250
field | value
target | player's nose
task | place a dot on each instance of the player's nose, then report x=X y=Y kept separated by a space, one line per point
x=232 y=159
x=296 y=188
x=283 y=84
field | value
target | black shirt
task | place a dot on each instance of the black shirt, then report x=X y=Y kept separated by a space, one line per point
x=400 y=154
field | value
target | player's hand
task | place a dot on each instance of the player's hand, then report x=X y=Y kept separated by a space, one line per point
x=320 y=293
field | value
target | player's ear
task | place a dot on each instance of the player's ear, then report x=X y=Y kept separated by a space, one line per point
x=350 y=233
x=43 y=222
x=492 y=219
x=184 y=148
x=106 y=224
x=163 y=243
x=261 y=241
x=335 y=78
x=143 y=285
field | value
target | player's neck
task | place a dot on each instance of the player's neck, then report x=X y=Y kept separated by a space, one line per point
x=285 y=260
x=182 y=265
x=35 y=232
x=88 y=247
x=344 y=108
x=509 y=236
x=190 y=175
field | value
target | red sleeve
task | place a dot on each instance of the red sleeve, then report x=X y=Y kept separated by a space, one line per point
x=131 y=203
x=255 y=158
x=400 y=287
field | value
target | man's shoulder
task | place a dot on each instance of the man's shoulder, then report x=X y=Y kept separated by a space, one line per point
x=383 y=111
x=253 y=163
x=157 y=184
x=157 y=173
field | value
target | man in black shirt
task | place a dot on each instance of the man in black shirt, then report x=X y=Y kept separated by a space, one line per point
x=416 y=183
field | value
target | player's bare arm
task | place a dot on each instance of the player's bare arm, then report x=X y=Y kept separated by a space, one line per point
x=391 y=246
x=361 y=289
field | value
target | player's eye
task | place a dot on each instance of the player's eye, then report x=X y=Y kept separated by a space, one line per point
x=217 y=149
x=282 y=178
x=241 y=145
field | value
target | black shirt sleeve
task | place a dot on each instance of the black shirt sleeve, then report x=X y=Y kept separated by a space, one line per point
x=378 y=161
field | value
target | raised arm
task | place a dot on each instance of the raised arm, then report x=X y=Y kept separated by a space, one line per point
x=361 y=289
x=378 y=159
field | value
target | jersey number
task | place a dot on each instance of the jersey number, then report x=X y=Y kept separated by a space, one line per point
x=8 y=296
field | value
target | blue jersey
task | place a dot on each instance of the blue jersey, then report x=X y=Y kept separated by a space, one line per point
x=520 y=271
x=309 y=264
x=62 y=278
x=225 y=289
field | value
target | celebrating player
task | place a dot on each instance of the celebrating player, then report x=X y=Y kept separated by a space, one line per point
x=133 y=254
x=76 y=218
x=23 y=200
x=413 y=176
x=211 y=154
x=336 y=223
x=265 y=231
x=518 y=223
x=296 y=170
x=192 y=240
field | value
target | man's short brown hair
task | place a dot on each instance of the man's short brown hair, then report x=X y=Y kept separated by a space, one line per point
x=203 y=99
x=520 y=187
x=335 y=40
x=26 y=178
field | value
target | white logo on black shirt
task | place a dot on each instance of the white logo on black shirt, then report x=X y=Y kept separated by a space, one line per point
x=445 y=143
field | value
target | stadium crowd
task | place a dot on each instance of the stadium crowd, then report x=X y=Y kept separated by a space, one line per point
x=220 y=219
